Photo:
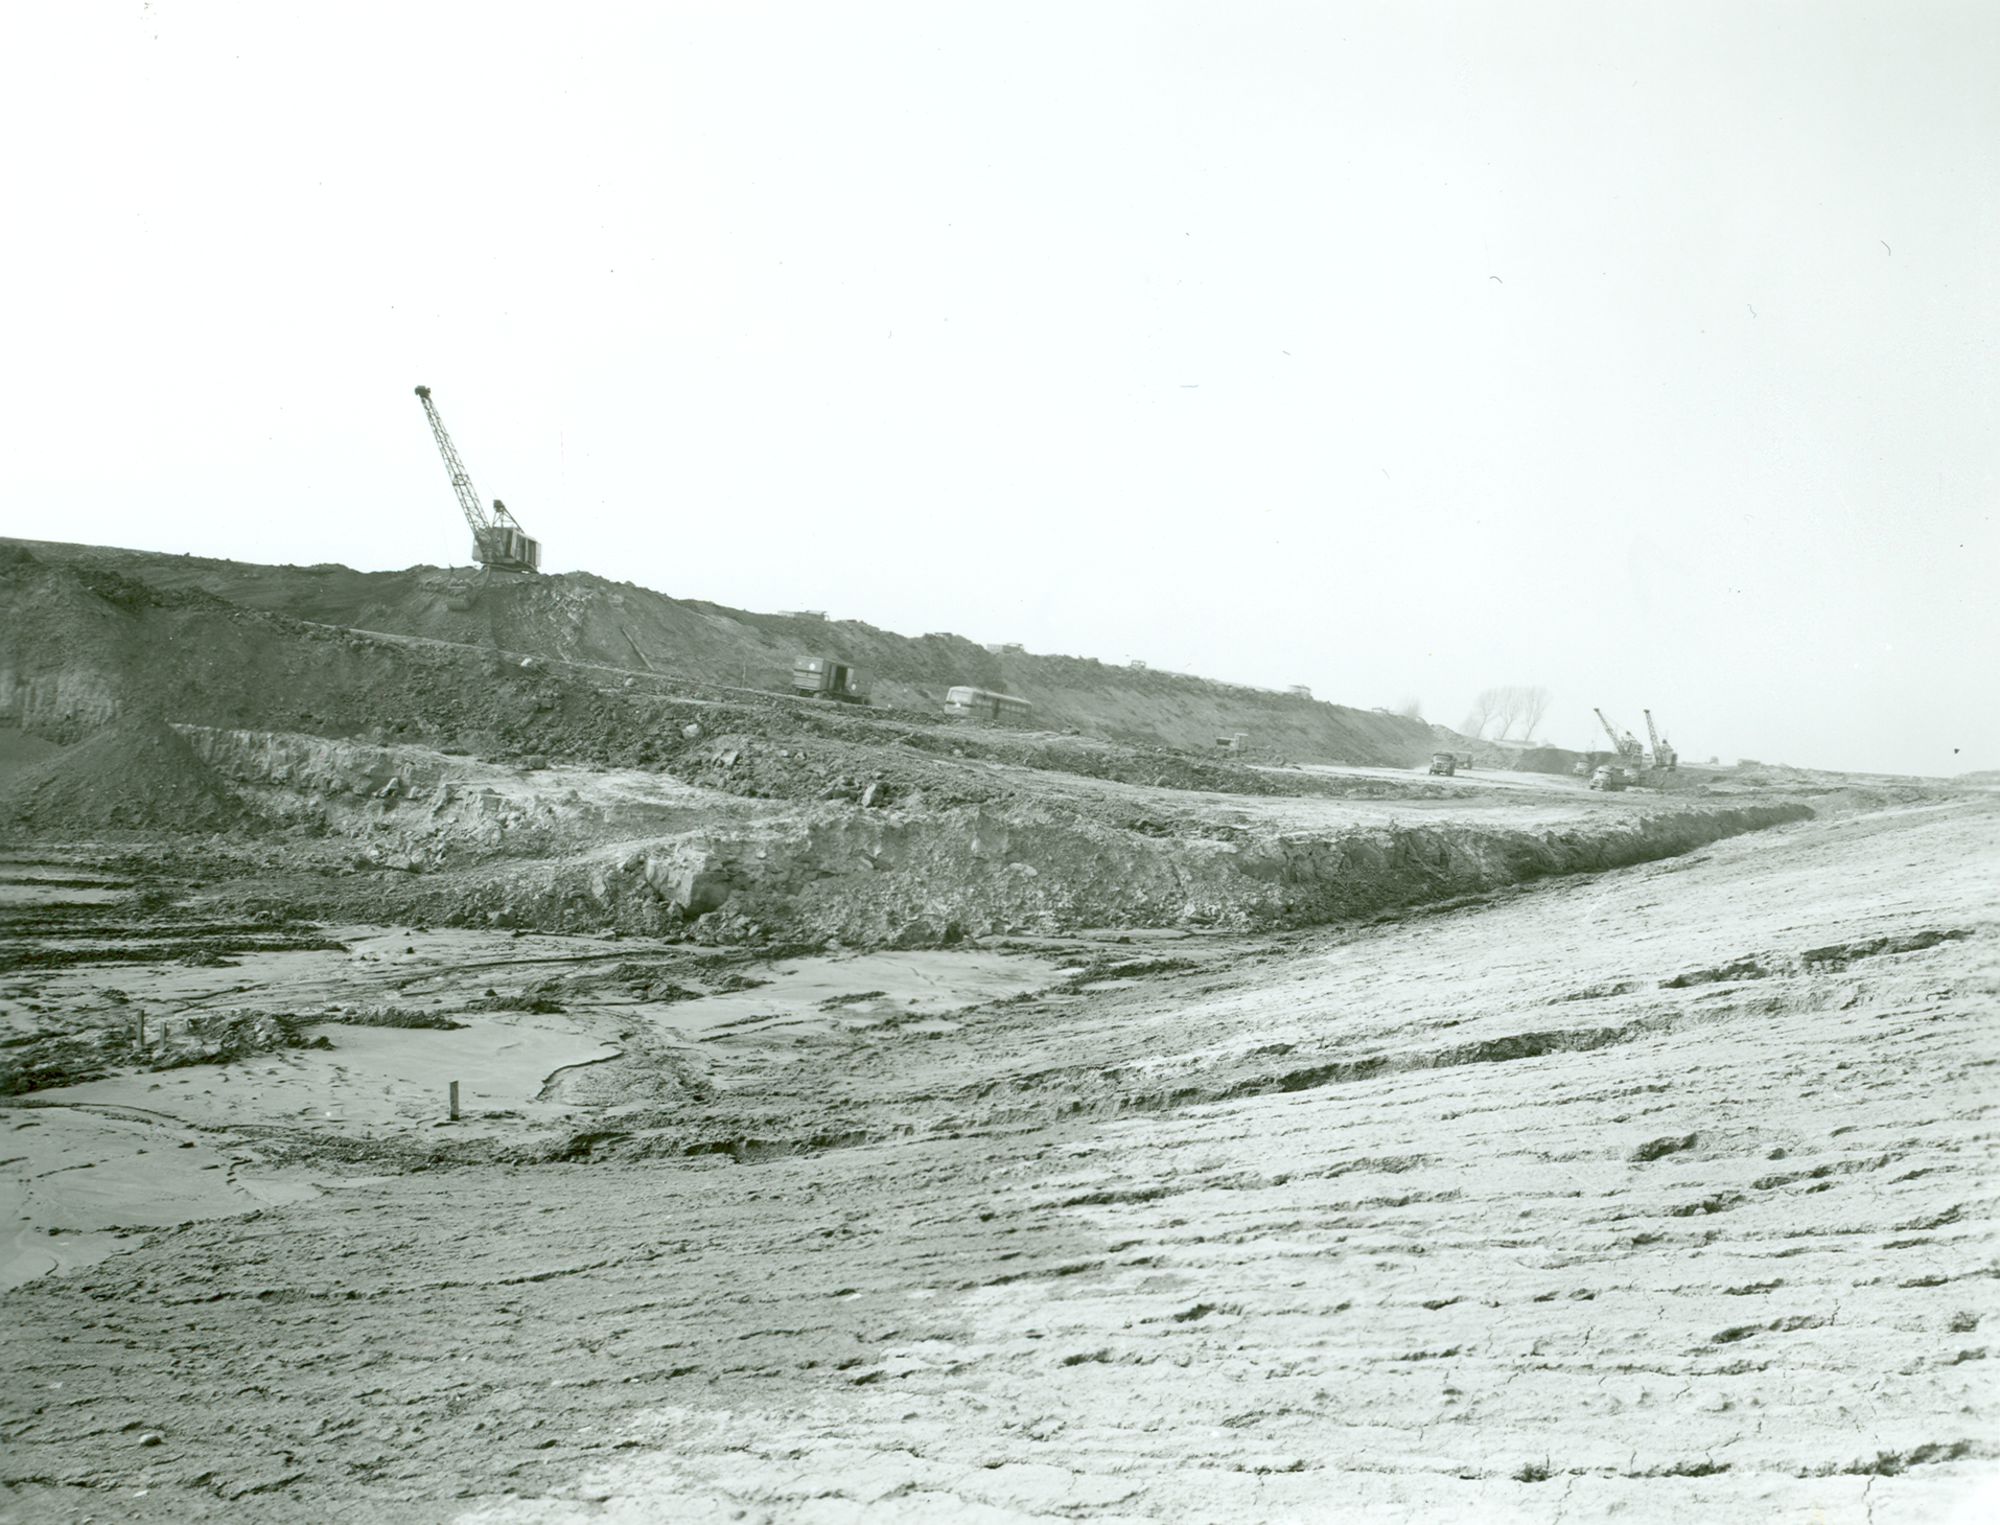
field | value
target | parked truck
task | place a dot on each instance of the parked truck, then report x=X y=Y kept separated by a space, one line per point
x=964 y=702
x=824 y=678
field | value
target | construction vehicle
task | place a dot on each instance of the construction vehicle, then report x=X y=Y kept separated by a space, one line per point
x=1609 y=776
x=824 y=678
x=498 y=542
x=1664 y=755
x=1444 y=764
x=1630 y=751
x=964 y=702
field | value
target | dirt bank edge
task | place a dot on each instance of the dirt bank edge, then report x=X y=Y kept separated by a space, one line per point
x=864 y=879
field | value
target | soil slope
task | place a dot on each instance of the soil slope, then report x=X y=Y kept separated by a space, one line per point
x=136 y=775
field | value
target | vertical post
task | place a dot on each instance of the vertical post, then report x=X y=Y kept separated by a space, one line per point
x=454 y=1101
x=142 y=1029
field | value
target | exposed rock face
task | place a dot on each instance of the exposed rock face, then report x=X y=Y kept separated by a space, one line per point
x=691 y=879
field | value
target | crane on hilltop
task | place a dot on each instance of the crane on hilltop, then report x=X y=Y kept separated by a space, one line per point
x=1630 y=752
x=1664 y=755
x=498 y=541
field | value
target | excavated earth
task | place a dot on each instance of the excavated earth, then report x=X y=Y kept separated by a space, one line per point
x=1659 y=1194
x=865 y=1117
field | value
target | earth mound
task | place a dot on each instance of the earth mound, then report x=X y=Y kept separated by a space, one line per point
x=138 y=775
x=576 y=617
x=1547 y=760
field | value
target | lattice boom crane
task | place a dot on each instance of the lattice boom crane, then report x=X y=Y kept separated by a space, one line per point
x=1664 y=755
x=498 y=540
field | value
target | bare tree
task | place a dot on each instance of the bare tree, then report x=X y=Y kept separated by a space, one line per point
x=1534 y=705
x=1482 y=714
x=1507 y=709
x=1411 y=709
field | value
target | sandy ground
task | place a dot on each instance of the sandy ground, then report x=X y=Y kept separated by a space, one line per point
x=1663 y=1195
x=77 y=1184
x=373 y=1077
x=519 y=1072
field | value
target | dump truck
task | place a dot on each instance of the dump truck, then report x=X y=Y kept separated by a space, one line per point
x=1444 y=764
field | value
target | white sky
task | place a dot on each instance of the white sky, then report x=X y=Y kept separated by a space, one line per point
x=1644 y=352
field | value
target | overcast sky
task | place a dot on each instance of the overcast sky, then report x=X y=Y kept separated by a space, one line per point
x=1647 y=353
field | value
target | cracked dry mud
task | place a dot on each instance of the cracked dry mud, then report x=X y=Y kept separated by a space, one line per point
x=1665 y=1194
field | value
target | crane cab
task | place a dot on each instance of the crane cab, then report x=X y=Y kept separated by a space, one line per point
x=505 y=546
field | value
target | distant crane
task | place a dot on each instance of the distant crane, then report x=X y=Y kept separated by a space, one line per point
x=1664 y=755
x=1630 y=752
x=498 y=541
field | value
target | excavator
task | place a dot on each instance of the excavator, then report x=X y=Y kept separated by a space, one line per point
x=1664 y=755
x=498 y=542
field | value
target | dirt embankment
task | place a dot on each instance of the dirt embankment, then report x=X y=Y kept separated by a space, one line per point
x=580 y=618
x=81 y=646
x=871 y=880
x=450 y=782
x=929 y=852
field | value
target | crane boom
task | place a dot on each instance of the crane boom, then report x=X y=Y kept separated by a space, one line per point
x=461 y=479
x=1616 y=746
x=498 y=540
x=1653 y=732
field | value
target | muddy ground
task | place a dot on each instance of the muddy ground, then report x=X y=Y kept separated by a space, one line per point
x=1661 y=1193
x=865 y=1116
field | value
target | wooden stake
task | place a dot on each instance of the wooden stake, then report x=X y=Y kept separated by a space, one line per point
x=454 y=1101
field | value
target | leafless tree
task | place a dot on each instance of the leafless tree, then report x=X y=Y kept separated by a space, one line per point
x=1534 y=703
x=1481 y=715
x=1508 y=710
x=1411 y=709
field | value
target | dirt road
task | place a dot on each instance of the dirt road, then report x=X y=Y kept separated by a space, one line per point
x=1662 y=1195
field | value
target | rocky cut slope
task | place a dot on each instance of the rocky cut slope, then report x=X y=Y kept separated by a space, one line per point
x=578 y=617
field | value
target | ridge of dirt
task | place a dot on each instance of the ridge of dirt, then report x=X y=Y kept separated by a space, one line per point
x=84 y=645
x=582 y=618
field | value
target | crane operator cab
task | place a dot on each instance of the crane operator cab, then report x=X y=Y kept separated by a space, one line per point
x=504 y=545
